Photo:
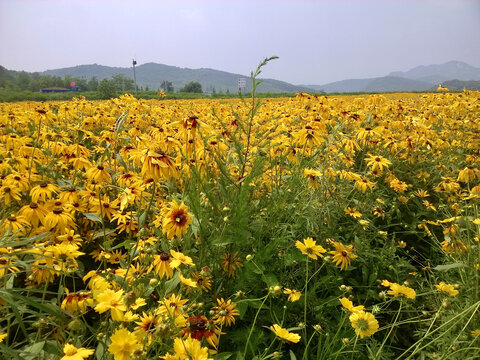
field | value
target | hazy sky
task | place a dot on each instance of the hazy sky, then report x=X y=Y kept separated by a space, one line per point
x=317 y=41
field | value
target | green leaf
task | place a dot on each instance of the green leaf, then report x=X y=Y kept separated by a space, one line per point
x=93 y=217
x=292 y=356
x=172 y=283
x=223 y=356
x=270 y=279
x=32 y=351
x=141 y=219
x=449 y=266
x=101 y=233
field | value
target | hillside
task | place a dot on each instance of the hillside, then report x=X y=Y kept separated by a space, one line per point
x=380 y=84
x=420 y=78
x=441 y=72
x=152 y=75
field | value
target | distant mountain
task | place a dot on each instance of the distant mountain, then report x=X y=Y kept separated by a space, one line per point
x=438 y=73
x=420 y=78
x=380 y=84
x=152 y=75
x=459 y=85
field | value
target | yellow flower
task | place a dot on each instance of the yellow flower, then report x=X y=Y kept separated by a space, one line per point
x=161 y=265
x=124 y=344
x=76 y=302
x=98 y=174
x=347 y=304
x=377 y=163
x=293 y=295
x=187 y=281
x=364 y=323
x=172 y=306
x=231 y=263
x=188 y=349
x=113 y=301
x=353 y=212
x=284 y=334
x=342 y=255
x=2 y=337
x=179 y=258
x=176 y=220
x=397 y=290
x=72 y=353
x=476 y=332
x=310 y=248
x=43 y=192
x=446 y=288
x=225 y=312
x=363 y=184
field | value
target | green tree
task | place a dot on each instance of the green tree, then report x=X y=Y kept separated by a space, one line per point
x=166 y=86
x=106 y=89
x=92 y=84
x=123 y=83
x=192 y=87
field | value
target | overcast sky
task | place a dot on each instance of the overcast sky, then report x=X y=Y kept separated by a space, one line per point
x=317 y=41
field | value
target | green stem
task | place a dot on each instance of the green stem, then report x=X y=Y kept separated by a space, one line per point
x=253 y=325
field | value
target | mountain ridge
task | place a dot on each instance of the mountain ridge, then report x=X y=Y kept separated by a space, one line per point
x=153 y=74
x=419 y=78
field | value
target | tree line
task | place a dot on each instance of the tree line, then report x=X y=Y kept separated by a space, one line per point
x=24 y=81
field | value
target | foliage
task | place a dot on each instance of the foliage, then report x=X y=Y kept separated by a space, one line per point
x=107 y=88
x=192 y=87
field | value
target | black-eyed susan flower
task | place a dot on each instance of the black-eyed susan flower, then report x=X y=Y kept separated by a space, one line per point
x=231 y=262
x=161 y=265
x=172 y=306
x=203 y=280
x=310 y=248
x=313 y=176
x=364 y=323
x=59 y=221
x=14 y=224
x=99 y=174
x=377 y=162
x=176 y=220
x=43 y=192
x=353 y=212
x=363 y=184
x=147 y=326
x=342 y=255
x=284 y=334
x=77 y=302
x=10 y=194
x=225 y=312
x=34 y=213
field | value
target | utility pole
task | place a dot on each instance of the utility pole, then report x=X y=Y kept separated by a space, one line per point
x=134 y=76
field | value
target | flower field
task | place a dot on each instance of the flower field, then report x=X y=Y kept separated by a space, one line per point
x=342 y=227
